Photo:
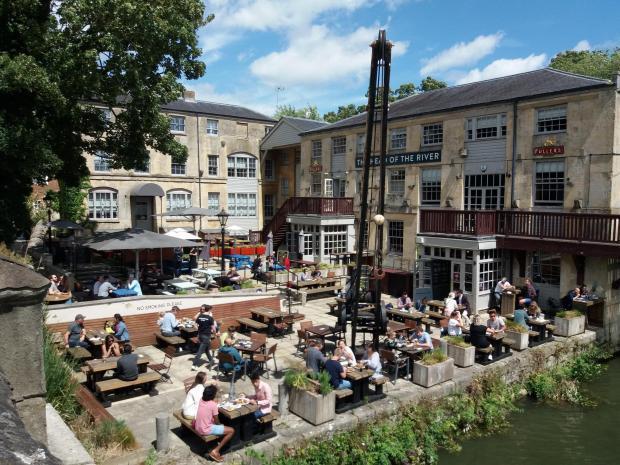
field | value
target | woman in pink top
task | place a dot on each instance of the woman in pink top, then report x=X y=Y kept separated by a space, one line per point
x=262 y=395
x=207 y=422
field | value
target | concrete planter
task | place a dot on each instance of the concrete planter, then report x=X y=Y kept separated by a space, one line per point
x=429 y=375
x=462 y=356
x=312 y=407
x=567 y=327
x=520 y=341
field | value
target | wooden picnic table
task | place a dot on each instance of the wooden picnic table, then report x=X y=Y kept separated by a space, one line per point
x=96 y=368
x=243 y=421
x=540 y=327
x=360 y=380
x=495 y=339
x=437 y=316
x=414 y=353
x=397 y=326
x=436 y=304
x=592 y=309
x=264 y=314
x=61 y=298
x=317 y=283
x=256 y=347
x=323 y=331
x=398 y=315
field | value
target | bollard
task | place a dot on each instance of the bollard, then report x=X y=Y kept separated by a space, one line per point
x=162 y=426
x=282 y=399
x=443 y=345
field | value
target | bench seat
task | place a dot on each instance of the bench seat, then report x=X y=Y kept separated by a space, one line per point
x=343 y=393
x=169 y=340
x=79 y=353
x=90 y=403
x=319 y=290
x=484 y=350
x=551 y=328
x=533 y=333
x=249 y=323
x=271 y=416
x=145 y=380
x=188 y=425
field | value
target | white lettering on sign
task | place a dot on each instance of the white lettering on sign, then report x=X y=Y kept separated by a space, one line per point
x=402 y=159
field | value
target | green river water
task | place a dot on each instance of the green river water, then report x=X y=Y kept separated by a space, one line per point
x=555 y=435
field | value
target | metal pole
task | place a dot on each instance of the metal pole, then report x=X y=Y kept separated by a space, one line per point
x=222 y=270
x=49 y=230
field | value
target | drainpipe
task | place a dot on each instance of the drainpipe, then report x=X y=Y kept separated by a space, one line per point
x=514 y=152
x=199 y=170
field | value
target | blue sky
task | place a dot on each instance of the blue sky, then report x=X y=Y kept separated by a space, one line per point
x=299 y=52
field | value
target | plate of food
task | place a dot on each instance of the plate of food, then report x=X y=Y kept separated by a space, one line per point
x=242 y=401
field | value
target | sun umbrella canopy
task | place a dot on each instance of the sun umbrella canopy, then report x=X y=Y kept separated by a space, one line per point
x=64 y=224
x=181 y=233
x=236 y=230
x=190 y=211
x=135 y=239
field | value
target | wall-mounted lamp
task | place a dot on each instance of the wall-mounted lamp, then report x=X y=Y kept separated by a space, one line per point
x=459 y=176
x=449 y=202
x=508 y=174
x=411 y=186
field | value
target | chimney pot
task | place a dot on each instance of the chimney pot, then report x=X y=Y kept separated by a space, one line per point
x=189 y=95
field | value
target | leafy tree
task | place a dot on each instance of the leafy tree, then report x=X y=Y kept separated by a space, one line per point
x=128 y=54
x=597 y=63
x=308 y=112
x=345 y=111
x=430 y=83
x=404 y=90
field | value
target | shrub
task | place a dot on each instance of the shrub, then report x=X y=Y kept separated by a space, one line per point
x=325 y=385
x=226 y=288
x=432 y=357
x=457 y=341
x=569 y=314
x=516 y=327
x=247 y=285
x=297 y=378
x=113 y=433
x=59 y=381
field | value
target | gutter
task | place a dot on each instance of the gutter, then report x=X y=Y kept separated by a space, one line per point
x=514 y=153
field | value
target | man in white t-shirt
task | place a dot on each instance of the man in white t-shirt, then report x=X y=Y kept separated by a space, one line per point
x=105 y=288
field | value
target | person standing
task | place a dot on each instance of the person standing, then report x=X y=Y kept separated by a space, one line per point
x=314 y=357
x=287 y=262
x=462 y=301
x=205 y=323
x=499 y=288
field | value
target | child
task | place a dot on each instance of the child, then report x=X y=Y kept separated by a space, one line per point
x=108 y=327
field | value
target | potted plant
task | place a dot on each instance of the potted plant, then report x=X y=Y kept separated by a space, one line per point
x=463 y=353
x=260 y=249
x=518 y=335
x=435 y=367
x=569 y=323
x=312 y=400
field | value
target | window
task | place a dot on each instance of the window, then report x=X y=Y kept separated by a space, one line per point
x=395 y=237
x=267 y=129
x=315 y=188
x=242 y=130
x=102 y=162
x=284 y=187
x=485 y=127
x=397 y=182
x=549 y=183
x=177 y=200
x=360 y=145
x=144 y=168
x=431 y=187
x=317 y=152
x=334 y=239
x=102 y=204
x=241 y=166
x=178 y=168
x=177 y=123
x=489 y=275
x=268 y=205
x=241 y=204
x=423 y=274
x=106 y=116
x=398 y=139
x=339 y=145
x=546 y=268
x=213 y=127
x=213 y=165
x=269 y=169
x=432 y=134
x=213 y=203
x=551 y=119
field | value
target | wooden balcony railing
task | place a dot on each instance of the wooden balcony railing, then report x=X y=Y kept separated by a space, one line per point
x=577 y=227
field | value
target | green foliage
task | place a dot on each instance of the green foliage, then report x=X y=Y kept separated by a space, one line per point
x=432 y=357
x=344 y=111
x=59 y=381
x=457 y=341
x=247 y=285
x=113 y=433
x=70 y=201
x=151 y=459
x=308 y=112
x=6 y=252
x=597 y=63
x=430 y=83
x=226 y=288
x=325 y=386
x=516 y=327
x=404 y=90
x=296 y=378
x=569 y=314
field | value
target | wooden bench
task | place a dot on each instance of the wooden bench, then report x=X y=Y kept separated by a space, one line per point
x=341 y=395
x=90 y=403
x=249 y=323
x=265 y=423
x=320 y=290
x=79 y=354
x=551 y=328
x=332 y=307
x=144 y=380
x=483 y=353
x=165 y=341
x=378 y=384
x=533 y=333
x=186 y=425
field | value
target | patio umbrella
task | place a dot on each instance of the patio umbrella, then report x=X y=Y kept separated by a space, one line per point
x=63 y=224
x=236 y=230
x=135 y=239
x=269 y=246
x=300 y=242
x=190 y=212
x=181 y=233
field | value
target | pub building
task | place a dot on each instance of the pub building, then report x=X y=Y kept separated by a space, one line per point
x=513 y=176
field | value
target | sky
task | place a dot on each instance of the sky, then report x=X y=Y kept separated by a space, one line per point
x=261 y=53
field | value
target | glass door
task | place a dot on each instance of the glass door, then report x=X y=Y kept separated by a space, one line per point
x=484 y=191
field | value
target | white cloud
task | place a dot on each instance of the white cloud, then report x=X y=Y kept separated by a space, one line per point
x=582 y=45
x=320 y=56
x=462 y=54
x=504 y=67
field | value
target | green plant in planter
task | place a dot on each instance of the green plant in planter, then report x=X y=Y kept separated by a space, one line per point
x=433 y=357
x=247 y=285
x=568 y=314
x=323 y=266
x=226 y=289
x=457 y=341
x=325 y=385
x=296 y=378
x=515 y=327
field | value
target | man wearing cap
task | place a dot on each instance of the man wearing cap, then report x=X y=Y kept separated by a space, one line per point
x=206 y=324
x=74 y=337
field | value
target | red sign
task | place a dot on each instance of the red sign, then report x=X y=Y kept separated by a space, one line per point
x=549 y=150
x=316 y=168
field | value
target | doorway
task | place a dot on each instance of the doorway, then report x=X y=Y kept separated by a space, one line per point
x=440 y=278
x=142 y=213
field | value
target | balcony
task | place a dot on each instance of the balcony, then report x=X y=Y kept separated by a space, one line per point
x=321 y=205
x=587 y=233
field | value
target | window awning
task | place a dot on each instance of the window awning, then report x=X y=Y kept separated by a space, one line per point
x=148 y=190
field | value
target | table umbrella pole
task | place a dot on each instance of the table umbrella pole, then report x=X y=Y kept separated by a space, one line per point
x=137 y=262
x=161 y=261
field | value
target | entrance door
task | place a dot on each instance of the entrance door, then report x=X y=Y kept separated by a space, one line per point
x=457 y=276
x=484 y=192
x=142 y=213
x=440 y=278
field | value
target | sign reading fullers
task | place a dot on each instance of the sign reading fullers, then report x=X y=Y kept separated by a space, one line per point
x=411 y=158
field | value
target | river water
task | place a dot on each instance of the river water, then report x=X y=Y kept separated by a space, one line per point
x=554 y=435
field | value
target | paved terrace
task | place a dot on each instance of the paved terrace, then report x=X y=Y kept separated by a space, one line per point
x=139 y=412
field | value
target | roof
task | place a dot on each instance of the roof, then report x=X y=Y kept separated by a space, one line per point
x=531 y=84
x=287 y=131
x=217 y=109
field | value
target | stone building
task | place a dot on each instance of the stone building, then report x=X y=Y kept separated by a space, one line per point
x=221 y=171
x=461 y=210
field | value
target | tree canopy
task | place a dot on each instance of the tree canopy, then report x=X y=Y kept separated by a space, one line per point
x=597 y=63
x=55 y=57
x=308 y=112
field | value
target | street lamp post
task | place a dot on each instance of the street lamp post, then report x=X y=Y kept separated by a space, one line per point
x=48 y=203
x=223 y=218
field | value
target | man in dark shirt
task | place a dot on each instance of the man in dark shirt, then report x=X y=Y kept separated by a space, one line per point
x=337 y=373
x=127 y=365
x=314 y=357
x=205 y=323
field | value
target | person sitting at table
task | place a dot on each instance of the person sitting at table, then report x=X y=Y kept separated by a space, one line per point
x=304 y=276
x=262 y=396
x=315 y=274
x=256 y=267
x=478 y=335
x=534 y=311
x=345 y=351
x=110 y=347
x=207 y=422
x=53 y=285
x=63 y=284
x=421 y=339
x=229 y=333
x=127 y=365
x=392 y=341
x=75 y=335
x=314 y=357
x=404 y=302
x=286 y=261
x=422 y=305
x=373 y=361
x=120 y=328
x=160 y=320
x=105 y=288
x=520 y=316
x=337 y=372
x=462 y=302
x=455 y=325
x=239 y=361
x=169 y=324
x=134 y=285
x=194 y=396
x=567 y=300
x=495 y=323
x=450 y=305
x=97 y=284
x=108 y=327
x=233 y=277
x=499 y=288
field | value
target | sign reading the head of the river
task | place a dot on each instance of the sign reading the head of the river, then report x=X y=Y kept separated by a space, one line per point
x=410 y=158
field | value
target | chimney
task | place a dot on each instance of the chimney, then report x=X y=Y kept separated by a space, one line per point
x=189 y=96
